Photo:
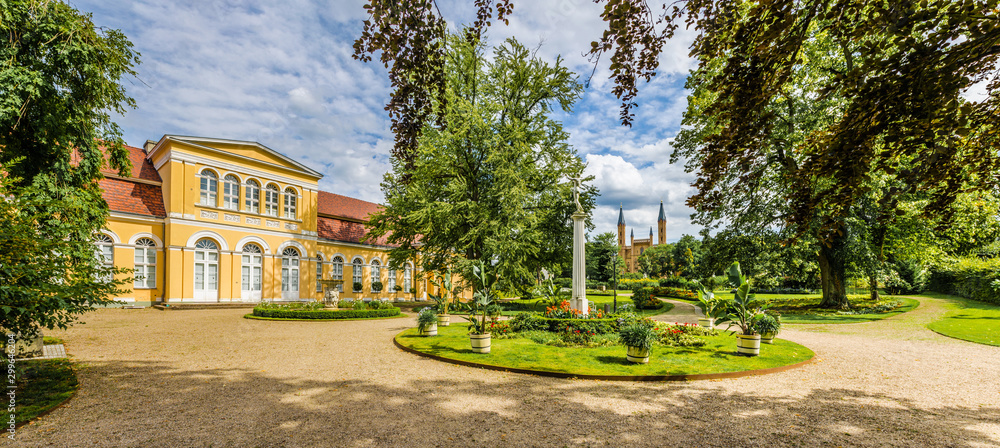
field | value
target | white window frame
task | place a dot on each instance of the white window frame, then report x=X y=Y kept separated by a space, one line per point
x=252 y=192
x=231 y=192
x=145 y=264
x=338 y=272
x=358 y=274
x=390 y=281
x=407 y=278
x=209 y=188
x=319 y=272
x=291 y=201
x=271 y=202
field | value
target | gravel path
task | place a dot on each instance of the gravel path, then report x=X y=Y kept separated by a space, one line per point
x=210 y=378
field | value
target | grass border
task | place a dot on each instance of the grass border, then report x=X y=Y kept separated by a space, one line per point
x=251 y=316
x=692 y=377
x=57 y=405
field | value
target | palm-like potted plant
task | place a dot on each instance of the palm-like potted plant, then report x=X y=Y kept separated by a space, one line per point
x=711 y=306
x=444 y=284
x=768 y=324
x=478 y=316
x=427 y=322
x=743 y=312
x=639 y=339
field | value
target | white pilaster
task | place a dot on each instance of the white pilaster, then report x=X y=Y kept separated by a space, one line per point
x=579 y=300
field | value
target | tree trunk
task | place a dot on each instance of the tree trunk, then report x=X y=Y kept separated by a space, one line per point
x=833 y=275
x=873 y=286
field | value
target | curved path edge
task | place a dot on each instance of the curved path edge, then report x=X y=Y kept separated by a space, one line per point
x=693 y=377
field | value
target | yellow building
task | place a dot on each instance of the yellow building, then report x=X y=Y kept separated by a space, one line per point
x=630 y=253
x=207 y=220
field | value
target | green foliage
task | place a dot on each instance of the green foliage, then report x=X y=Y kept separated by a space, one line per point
x=676 y=293
x=308 y=306
x=325 y=314
x=598 y=326
x=522 y=322
x=710 y=305
x=444 y=283
x=971 y=278
x=377 y=286
x=682 y=335
x=484 y=285
x=41 y=386
x=49 y=273
x=60 y=82
x=905 y=277
x=743 y=311
x=644 y=299
x=599 y=255
x=358 y=286
x=425 y=318
x=768 y=322
x=488 y=181
x=638 y=335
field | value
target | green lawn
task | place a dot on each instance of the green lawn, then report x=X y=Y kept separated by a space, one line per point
x=718 y=356
x=804 y=308
x=969 y=320
x=41 y=386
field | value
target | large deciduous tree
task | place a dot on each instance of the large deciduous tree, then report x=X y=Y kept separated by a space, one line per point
x=60 y=81
x=491 y=182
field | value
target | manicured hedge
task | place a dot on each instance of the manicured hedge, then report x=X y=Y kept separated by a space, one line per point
x=971 y=278
x=325 y=314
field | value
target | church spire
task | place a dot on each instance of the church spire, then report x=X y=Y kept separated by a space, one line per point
x=663 y=216
x=650 y=234
x=621 y=216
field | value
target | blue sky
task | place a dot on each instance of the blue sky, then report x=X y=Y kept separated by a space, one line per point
x=281 y=73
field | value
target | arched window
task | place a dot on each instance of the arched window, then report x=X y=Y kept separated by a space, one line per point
x=319 y=272
x=271 y=200
x=338 y=272
x=209 y=188
x=251 y=270
x=407 y=277
x=390 y=281
x=290 y=274
x=206 y=270
x=357 y=265
x=231 y=192
x=145 y=264
x=376 y=275
x=291 y=198
x=253 y=197
x=106 y=250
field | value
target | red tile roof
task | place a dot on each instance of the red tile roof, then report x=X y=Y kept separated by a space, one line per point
x=345 y=231
x=331 y=204
x=133 y=197
x=142 y=168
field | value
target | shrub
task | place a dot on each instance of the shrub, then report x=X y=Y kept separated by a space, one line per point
x=783 y=290
x=308 y=306
x=522 y=322
x=498 y=329
x=633 y=284
x=324 y=314
x=676 y=293
x=358 y=286
x=971 y=278
x=644 y=299
x=675 y=282
x=681 y=335
x=425 y=318
x=359 y=305
x=906 y=277
x=599 y=326
x=637 y=335
x=884 y=306
x=377 y=286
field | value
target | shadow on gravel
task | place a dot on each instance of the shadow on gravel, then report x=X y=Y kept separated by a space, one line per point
x=150 y=404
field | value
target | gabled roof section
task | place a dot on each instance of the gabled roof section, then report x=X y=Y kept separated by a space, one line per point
x=213 y=144
x=338 y=206
x=133 y=197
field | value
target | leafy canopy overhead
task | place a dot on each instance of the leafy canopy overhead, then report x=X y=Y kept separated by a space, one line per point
x=491 y=183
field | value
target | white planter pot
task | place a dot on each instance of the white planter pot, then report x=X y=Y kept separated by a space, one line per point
x=637 y=355
x=707 y=322
x=444 y=320
x=431 y=330
x=767 y=338
x=748 y=345
x=480 y=343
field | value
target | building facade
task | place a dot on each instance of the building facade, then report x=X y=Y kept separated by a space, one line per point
x=630 y=253
x=206 y=220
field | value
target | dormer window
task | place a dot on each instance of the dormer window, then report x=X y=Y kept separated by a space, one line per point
x=209 y=188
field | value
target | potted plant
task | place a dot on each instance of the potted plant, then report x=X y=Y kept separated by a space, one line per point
x=478 y=316
x=396 y=289
x=711 y=306
x=768 y=324
x=358 y=286
x=743 y=312
x=639 y=339
x=443 y=282
x=377 y=287
x=427 y=322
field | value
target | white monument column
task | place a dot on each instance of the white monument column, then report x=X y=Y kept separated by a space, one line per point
x=579 y=301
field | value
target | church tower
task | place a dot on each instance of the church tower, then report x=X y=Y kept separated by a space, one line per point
x=661 y=227
x=621 y=229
